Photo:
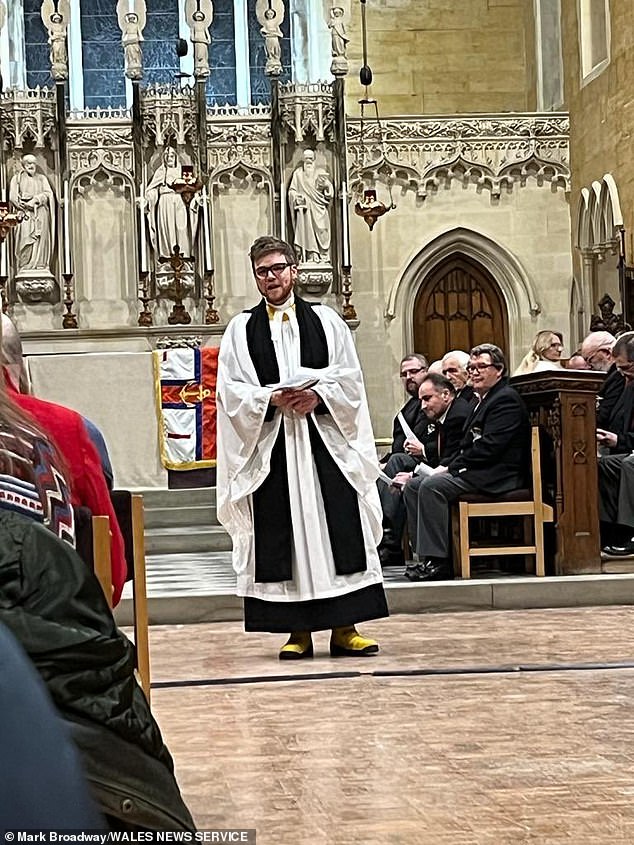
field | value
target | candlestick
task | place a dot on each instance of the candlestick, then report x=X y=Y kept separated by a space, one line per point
x=207 y=232
x=67 y=261
x=345 y=231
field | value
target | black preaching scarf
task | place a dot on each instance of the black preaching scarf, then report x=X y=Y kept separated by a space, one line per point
x=271 y=501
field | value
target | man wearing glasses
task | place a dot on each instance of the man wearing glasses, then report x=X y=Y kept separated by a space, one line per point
x=297 y=466
x=493 y=459
x=596 y=350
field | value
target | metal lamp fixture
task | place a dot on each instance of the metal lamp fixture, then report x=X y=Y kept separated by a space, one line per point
x=369 y=206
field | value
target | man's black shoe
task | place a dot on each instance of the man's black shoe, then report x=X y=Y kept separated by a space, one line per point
x=625 y=550
x=414 y=571
x=432 y=569
x=436 y=569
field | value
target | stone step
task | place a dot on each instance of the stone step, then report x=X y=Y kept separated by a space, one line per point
x=204 y=592
x=190 y=515
x=160 y=498
x=186 y=540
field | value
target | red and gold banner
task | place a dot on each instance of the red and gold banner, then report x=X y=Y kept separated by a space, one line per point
x=186 y=406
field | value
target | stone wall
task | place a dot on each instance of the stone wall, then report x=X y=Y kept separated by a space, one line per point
x=601 y=118
x=445 y=56
x=525 y=234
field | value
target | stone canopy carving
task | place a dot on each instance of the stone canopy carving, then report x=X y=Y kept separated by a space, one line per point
x=495 y=153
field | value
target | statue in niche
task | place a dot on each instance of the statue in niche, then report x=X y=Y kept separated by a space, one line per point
x=310 y=194
x=338 y=32
x=170 y=221
x=199 y=15
x=270 y=14
x=55 y=18
x=31 y=192
x=338 y=16
x=132 y=24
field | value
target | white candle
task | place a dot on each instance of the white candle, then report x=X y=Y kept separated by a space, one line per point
x=4 y=272
x=207 y=231
x=67 y=262
x=142 y=242
x=345 y=232
x=283 y=210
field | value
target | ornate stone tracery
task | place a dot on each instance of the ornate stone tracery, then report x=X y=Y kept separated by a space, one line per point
x=425 y=155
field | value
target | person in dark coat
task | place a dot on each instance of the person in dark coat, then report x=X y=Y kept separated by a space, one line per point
x=493 y=458
x=54 y=606
x=405 y=454
x=616 y=467
x=42 y=784
x=447 y=413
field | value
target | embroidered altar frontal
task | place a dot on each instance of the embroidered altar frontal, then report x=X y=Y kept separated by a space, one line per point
x=186 y=406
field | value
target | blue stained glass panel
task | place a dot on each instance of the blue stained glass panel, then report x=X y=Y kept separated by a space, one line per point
x=102 y=55
x=36 y=46
x=221 y=85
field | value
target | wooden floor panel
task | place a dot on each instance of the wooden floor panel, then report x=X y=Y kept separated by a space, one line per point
x=449 y=759
x=483 y=638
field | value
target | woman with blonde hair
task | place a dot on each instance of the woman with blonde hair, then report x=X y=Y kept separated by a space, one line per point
x=544 y=354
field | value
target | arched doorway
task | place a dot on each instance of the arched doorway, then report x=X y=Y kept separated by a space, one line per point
x=458 y=306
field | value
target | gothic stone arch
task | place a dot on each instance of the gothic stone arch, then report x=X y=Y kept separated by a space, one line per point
x=495 y=262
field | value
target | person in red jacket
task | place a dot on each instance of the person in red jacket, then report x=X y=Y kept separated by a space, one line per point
x=67 y=430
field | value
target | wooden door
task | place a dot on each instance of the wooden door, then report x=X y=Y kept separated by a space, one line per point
x=458 y=306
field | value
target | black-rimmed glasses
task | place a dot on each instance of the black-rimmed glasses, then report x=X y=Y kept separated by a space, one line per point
x=407 y=373
x=277 y=269
x=478 y=368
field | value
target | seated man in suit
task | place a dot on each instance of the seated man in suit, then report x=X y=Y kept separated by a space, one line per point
x=444 y=421
x=413 y=370
x=407 y=449
x=447 y=414
x=454 y=367
x=493 y=458
x=616 y=467
x=596 y=350
x=66 y=429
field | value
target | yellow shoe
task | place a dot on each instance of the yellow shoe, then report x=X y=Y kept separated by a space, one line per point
x=298 y=646
x=348 y=642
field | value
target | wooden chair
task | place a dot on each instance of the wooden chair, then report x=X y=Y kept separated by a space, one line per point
x=128 y=508
x=526 y=503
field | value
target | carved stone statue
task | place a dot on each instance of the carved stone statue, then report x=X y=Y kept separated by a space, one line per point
x=31 y=192
x=55 y=20
x=310 y=194
x=338 y=17
x=171 y=222
x=132 y=24
x=270 y=15
x=199 y=15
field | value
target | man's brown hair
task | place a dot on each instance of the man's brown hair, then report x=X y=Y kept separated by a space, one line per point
x=269 y=243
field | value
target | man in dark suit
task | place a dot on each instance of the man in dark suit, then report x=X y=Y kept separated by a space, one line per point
x=596 y=350
x=454 y=367
x=404 y=455
x=447 y=414
x=492 y=459
x=413 y=370
x=616 y=467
